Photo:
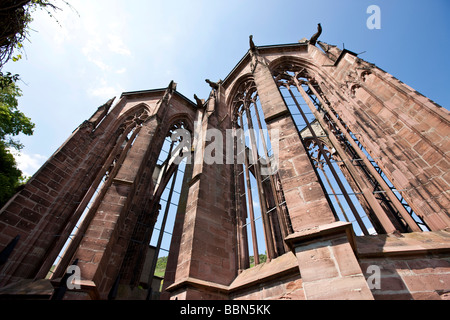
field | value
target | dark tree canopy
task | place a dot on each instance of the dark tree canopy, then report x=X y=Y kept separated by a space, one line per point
x=15 y=17
x=10 y=176
x=12 y=121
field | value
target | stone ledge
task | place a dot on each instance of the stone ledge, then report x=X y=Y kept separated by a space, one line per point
x=28 y=288
x=310 y=234
x=415 y=243
x=339 y=288
x=87 y=287
x=197 y=283
x=284 y=265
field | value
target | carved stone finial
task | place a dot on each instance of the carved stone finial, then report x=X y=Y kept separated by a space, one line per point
x=169 y=92
x=200 y=102
x=172 y=86
x=252 y=44
x=213 y=85
x=107 y=105
x=110 y=102
x=316 y=36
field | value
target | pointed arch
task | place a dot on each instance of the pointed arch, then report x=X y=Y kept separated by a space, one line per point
x=301 y=85
x=237 y=84
x=259 y=198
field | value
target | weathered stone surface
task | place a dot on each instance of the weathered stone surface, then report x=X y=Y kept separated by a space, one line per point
x=313 y=256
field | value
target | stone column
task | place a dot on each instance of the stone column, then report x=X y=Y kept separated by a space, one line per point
x=101 y=251
x=322 y=245
x=327 y=263
x=45 y=207
x=303 y=192
x=172 y=260
x=407 y=134
x=207 y=255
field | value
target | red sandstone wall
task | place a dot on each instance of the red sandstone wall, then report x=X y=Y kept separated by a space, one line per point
x=407 y=134
x=415 y=266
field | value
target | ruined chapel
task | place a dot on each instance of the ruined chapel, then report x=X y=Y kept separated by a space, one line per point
x=337 y=186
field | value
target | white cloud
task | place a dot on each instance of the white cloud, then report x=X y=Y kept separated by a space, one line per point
x=105 y=90
x=92 y=46
x=121 y=71
x=116 y=45
x=92 y=51
x=99 y=63
x=29 y=163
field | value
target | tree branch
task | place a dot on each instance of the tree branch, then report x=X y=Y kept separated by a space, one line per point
x=20 y=4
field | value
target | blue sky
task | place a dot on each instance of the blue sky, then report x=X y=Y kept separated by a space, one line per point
x=113 y=46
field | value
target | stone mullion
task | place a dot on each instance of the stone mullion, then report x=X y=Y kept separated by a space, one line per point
x=67 y=257
x=142 y=222
x=304 y=196
x=50 y=189
x=436 y=220
x=96 y=248
x=310 y=212
x=169 y=276
x=324 y=155
x=240 y=206
x=408 y=219
x=261 y=193
x=282 y=225
x=249 y=197
x=163 y=226
x=362 y=185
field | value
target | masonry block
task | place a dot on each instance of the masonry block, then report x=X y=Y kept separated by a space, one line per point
x=371 y=125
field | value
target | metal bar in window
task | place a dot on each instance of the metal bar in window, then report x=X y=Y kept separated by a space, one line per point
x=375 y=172
x=250 y=205
x=262 y=199
x=335 y=175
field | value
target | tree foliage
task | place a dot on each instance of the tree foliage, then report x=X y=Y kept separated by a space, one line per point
x=12 y=120
x=11 y=177
x=15 y=18
x=12 y=123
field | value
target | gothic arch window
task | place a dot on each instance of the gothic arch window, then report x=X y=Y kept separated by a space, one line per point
x=355 y=186
x=259 y=200
x=152 y=235
x=167 y=180
x=125 y=135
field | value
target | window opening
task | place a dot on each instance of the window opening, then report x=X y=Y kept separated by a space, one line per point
x=153 y=231
x=128 y=133
x=356 y=192
x=257 y=191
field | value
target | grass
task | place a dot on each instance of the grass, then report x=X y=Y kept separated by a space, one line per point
x=262 y=259
x=160 y=269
